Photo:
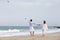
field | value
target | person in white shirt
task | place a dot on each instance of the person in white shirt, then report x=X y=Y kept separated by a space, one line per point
x=31 y=27
x=45 y=28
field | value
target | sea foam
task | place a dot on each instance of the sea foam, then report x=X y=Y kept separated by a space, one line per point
x=15 y=32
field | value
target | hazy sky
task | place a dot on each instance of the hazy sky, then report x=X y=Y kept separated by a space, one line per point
x=14 y=12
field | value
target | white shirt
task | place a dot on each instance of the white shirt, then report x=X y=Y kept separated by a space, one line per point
x=30 y=24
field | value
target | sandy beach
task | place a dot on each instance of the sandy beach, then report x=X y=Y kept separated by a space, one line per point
x=52 y=36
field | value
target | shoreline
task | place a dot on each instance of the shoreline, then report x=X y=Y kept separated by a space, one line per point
x=52 y=36
x=11 y=34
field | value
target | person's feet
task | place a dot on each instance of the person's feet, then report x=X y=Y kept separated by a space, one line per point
x=32 y=33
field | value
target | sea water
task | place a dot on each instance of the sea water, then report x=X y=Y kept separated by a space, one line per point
x=6 y=31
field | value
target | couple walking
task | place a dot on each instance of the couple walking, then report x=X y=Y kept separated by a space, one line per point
x=44 y=28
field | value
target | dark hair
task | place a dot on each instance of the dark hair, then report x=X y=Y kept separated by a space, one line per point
x=44 y=22
x=30 y=20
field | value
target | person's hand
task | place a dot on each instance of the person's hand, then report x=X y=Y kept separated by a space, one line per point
x=38 y=24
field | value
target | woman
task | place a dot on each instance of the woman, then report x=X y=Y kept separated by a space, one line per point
x=45 y=28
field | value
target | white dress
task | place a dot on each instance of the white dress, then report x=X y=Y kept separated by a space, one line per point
x=45 y=28
x=31 y=26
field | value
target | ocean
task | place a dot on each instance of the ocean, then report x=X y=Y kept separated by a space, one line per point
x=6 y=31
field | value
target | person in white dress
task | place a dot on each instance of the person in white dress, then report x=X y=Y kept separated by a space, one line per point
x=31 y=27
x=45 y=28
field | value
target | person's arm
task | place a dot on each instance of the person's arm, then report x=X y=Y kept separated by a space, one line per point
x=37 y=24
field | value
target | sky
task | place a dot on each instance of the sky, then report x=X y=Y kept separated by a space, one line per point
x=14 y=12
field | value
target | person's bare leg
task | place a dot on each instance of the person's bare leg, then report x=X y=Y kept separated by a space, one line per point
x=43 y=33
x=32 y=33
